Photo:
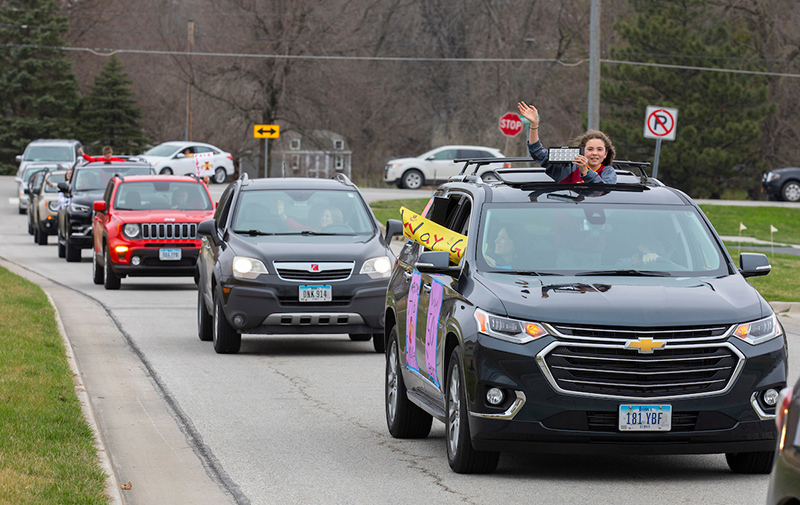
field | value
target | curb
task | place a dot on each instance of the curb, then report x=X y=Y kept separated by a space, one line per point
x=112 y=484
x=786 y=309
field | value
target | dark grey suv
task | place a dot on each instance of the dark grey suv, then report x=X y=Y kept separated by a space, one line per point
x=291 y=256
x=582 y=318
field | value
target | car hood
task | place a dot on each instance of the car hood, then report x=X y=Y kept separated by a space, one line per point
x=87 y=197
x=158 y=216
x=629 y=301
x=309 y=247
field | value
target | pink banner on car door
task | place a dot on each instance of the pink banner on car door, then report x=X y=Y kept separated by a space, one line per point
x=411 y=321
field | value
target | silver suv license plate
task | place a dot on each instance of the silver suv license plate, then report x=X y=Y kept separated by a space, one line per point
x=645 y=417
x=316 y=294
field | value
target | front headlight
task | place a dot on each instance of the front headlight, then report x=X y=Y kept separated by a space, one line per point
x=759 y=331
x=247 y=268
x=74 y=207
x=53 y=206
x=377 y=268
x=131 y=230
x=772 y=175
x=510 y=330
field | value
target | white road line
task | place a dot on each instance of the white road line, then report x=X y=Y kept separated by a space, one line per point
x=13 y=201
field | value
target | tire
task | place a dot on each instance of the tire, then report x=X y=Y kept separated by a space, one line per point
x=62 y=250
x=110 y=279
x=378 y=344
x=460 y=454
x=360 y=337
x=790 y=192
x=204 y=320
x=166 y=171
x=219 y=176
x=31 y=231
x=226 y=339
x=22 y=211
x=750 y=462
x=97 y=272
x=35 y=234
x=72 y=253
x=403 y=418
x=412 y=179
x=41 y=237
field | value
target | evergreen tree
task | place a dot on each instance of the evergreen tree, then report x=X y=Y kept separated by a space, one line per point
x=38 y=91
x=110 y=116
x=719 y=114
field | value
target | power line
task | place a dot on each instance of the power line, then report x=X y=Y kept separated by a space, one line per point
x=111 y=52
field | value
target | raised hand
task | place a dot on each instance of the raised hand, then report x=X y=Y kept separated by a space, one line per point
x=529 y=112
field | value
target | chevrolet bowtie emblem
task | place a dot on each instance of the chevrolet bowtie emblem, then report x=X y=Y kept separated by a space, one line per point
x=644 y=345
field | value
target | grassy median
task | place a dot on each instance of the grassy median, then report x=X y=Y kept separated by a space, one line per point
x=47 y=455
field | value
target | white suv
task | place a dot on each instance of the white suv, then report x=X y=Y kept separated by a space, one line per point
x=435 y=165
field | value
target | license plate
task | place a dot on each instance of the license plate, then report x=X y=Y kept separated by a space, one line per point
x=316 y=294
x=645 y=417
x=169 y=254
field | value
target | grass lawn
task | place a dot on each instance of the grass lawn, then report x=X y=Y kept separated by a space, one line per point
x=390 y=209
x=47 y=454
x=726 y=220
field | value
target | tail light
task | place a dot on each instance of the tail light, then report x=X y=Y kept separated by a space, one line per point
x=507 y=165
x=784 y=400
x=229 y=157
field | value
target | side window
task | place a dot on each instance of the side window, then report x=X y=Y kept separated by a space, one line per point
x=447 y=154
x=459 y=221
x=203 y=149
x=472 y=153
x=442 y=208
x=221 y=215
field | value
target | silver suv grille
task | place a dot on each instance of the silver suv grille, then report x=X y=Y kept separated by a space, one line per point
x=175 y=231
x=314 y=271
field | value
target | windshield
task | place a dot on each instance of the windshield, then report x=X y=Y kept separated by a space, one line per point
x=92 y=179
x=162 y=150
x=52 y=183
x=49 y=153
x=599 y=239
x=26 y=176
x=162 y=195
x=302 y=211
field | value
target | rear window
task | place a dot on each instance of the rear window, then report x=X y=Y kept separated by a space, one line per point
x=91 y=179
x=162 y=195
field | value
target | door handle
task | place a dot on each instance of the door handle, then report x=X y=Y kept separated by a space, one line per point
x=426 y=287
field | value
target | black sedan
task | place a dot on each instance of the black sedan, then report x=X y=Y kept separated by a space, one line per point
x=783 y=184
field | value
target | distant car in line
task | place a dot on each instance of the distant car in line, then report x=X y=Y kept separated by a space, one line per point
x=435 y=165
x=47 y=152
x=169 y=158
x=146 y=226
x=45 y=203
x=24 y=179
x=782 y=184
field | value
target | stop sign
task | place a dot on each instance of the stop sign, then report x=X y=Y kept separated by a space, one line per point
x=510 y=124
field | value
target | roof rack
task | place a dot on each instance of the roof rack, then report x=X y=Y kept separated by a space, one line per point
x=479 y=162
x=638 y=165
x=244 y=178
x=343 y=179
x=120 y=176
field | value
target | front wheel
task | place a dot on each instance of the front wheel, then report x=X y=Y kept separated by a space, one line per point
x=41 y=236
x=205 y=320
x=73 y=254
x=791 y=191
x=62 y=250
x=97 y=271
x=460 y=454
x=226 y=339
x=403 y=418
x=110 y=279
x=750 y=462
x=166 y=171
x=378 y=344
x=412 y=179
x=219 y=175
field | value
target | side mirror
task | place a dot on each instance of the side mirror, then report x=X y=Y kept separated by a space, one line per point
x=435 y=262
x=26 y=191
x=180 y=155
x=63 y=187
x=394 y=227
x=99 y=206
x=19 y=158
x=753 y=264
x=208 y=228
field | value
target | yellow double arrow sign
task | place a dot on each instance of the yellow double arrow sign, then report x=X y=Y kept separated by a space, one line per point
x=266 y=131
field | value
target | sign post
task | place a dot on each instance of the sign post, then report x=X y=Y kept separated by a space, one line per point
x=266 y=132
x=659 y=124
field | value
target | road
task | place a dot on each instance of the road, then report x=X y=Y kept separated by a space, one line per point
x=296 y=419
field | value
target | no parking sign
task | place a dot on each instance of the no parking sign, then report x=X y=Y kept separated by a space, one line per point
x=659 y=123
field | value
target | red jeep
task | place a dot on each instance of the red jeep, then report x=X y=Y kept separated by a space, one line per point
x=146 y=225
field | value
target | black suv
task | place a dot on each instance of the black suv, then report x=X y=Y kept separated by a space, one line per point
x=291 y=256
x=87 y=184
x=782 y=184
x=582 y=318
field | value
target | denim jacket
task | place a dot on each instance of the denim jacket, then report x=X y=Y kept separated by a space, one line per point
x=560 y=172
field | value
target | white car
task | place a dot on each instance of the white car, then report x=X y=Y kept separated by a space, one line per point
x=171 y=158
x=435 y=165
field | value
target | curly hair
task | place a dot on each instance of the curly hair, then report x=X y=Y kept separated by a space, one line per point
x=595 y=134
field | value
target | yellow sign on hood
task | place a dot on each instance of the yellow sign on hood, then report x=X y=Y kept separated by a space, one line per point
x=433 y=236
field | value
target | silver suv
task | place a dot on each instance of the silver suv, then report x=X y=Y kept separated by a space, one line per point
x=49 y=151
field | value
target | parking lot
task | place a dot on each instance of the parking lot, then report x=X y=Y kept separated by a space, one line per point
x=297 y=419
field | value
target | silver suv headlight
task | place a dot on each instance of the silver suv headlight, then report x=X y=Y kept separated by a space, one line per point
x=377 y=268
x=131 y=230
x=510 y=330
x=247 y=268
x=74 y=207
x=759 y=331
x=53 y=206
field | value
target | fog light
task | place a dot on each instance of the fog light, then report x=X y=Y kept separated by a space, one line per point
x=495 y=396
x=771 y=397
x=238 y=320
x=136 y=261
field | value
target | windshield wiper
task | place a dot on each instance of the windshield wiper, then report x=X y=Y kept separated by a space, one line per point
x=523 y=272
x=252 y=233
x=310 y=232
x=626 y=273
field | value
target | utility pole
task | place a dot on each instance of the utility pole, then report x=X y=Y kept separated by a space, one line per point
x=594 y=67
x=189 y=85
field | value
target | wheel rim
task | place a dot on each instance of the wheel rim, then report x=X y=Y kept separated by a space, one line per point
x=792 y=192
x=199 y=301
x=219 y=175
x=413 y=180
x=216 y=320
x=105 y=266
x=453 y=411
x=391 y=382
x=167 y=171
x=94 y=265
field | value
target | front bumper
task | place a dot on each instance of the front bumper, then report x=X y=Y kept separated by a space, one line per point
x=151 y=266
x=357 y=307
x=553 y=421
x=773 y=187
x=49 y=225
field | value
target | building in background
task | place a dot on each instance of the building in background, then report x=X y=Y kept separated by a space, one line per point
x=321 y=154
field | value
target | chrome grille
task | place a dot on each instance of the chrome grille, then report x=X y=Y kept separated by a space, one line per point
x=299 y=275
x=612 y=371
x=309 y=271
x=174 y=231
x=685 y=334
